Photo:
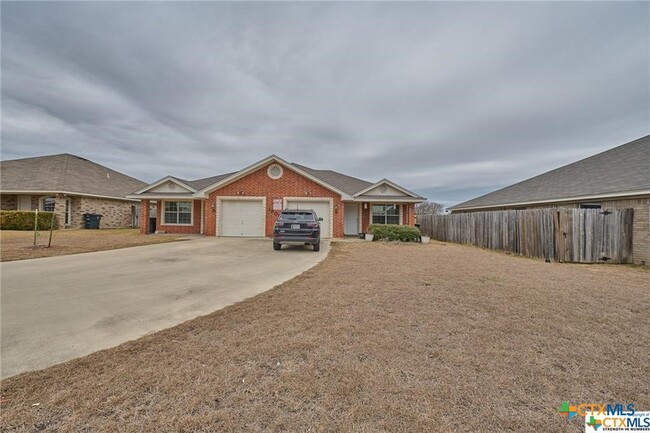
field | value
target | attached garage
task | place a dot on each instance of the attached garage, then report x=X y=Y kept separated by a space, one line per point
x=323 y=209
x=244 y=218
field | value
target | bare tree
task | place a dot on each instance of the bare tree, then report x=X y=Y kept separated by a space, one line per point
x=429 y=208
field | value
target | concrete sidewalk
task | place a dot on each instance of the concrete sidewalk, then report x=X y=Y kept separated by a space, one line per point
x=58 y=308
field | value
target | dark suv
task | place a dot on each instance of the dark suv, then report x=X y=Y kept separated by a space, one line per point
x=300 y=226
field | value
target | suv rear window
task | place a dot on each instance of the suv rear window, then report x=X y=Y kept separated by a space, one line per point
x=297 y=216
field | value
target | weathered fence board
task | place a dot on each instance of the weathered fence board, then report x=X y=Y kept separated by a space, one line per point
x=564 y=235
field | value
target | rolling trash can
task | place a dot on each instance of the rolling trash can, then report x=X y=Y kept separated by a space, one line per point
x=92 y=220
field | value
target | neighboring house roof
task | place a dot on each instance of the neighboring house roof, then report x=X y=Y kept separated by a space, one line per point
x=621 y=171
x=64 y=173
x=348 y=186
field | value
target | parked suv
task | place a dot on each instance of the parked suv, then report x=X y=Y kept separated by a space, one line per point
x=299 y=226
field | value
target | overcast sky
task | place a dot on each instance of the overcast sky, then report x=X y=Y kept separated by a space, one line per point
x=451 y=100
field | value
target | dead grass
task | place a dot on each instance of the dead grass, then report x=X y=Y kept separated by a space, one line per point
x=19 y=245
x=376 y=338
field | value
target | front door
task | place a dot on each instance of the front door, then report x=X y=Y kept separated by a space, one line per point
x=351 y=219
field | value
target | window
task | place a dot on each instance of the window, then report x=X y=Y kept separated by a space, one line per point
x=385 y=214
x=66 y=216
x=274 y=171
x=47 y=204
x=178 y=212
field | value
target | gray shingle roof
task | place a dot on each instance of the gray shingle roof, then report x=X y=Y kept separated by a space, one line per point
x=623 y=169
x=65 y=173
x=345 y=183
x=207 y=181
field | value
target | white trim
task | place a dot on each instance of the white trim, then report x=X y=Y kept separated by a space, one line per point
x=163 y=180
x=272 y=166
x=202 y=216
x=162 y=213
x=558 y=200
x=401 y=213
x=203 y=193
x=217 y=230
x=387 y=182
x=389 y=200
x=360 y=217
x=79 y=194
x=317 y=199
x=163 y=196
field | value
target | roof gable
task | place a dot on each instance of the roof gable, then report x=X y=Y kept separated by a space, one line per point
x=385 y=188
x=622 y=170
x=223 y=181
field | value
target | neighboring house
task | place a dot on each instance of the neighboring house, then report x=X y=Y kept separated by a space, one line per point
x=70 y=186
x=616 y=178
x=248 y=202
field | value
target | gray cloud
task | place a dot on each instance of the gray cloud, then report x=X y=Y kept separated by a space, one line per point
x=449 y=99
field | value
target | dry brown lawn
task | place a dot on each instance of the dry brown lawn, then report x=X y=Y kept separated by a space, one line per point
x=19 y=245
x=378 y=337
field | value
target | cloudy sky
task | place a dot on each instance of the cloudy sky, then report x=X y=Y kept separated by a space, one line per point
x=451 y=100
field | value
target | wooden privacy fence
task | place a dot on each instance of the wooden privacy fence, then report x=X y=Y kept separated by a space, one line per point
x=563 y=235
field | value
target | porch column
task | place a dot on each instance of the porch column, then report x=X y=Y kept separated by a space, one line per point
x=144 y=217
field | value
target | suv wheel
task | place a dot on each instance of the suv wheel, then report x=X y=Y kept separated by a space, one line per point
x=277 y=246
x=317 y=246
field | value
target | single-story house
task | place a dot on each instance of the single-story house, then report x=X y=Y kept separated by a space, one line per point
x=616 y=178
x=247 y=202
x=70 y=186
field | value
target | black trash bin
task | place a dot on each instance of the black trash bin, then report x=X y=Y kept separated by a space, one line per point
x=152 y=225
x=92 y=220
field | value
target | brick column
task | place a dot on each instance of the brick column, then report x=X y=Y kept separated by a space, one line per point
x=144 y=217
x=59 y=210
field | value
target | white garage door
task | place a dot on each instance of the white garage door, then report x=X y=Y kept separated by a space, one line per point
x=242 y=218
x=322 y=209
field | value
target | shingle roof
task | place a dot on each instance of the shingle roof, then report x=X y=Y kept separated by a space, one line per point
x=65 y=173
x=624 y=169
x=345 y=183
x=207 y=181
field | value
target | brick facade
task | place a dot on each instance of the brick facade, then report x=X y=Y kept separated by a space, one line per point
x=195 y=228
x=259 y=184
x=115 y=213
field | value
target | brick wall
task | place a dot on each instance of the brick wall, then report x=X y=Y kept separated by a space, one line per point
x=259 y=184
x=144 y=216
x=195 y=228
x=8 y=202
x=115 y=213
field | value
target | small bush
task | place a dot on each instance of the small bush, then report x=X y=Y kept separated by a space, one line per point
x=394 y=232
x=24 y=220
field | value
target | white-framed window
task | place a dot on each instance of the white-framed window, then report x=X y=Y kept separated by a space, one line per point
x=177 y=213
x=275 y=171
x=385 y=214
x=47 y=204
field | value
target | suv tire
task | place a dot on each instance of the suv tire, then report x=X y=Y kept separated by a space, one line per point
x=277 y=246
x=317 y=246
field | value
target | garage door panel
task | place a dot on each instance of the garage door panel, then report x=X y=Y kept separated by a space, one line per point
x=242 y=218
x=322 y=208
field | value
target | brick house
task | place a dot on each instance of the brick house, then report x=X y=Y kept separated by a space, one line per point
x=248 y=202
x=616 y=178
x=70 y=186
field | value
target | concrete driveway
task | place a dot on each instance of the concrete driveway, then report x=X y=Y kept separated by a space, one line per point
x=58 y=308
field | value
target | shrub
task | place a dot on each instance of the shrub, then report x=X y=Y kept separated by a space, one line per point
x=394 y=232
x=24 y=220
